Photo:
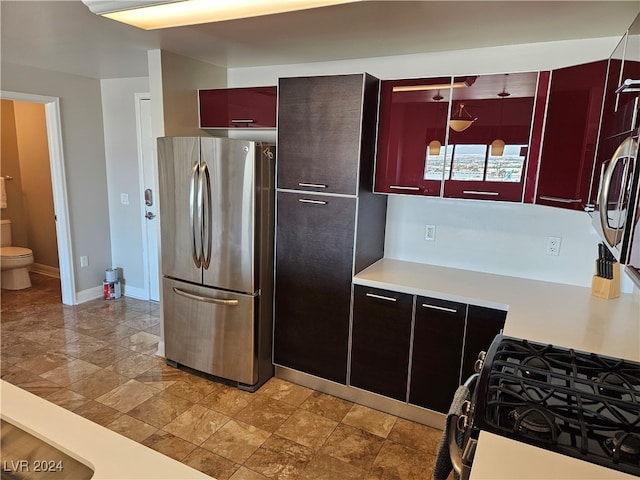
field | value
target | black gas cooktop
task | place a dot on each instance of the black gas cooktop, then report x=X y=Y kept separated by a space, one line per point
x=576 y=403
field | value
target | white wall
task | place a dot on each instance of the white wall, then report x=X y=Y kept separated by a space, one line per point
x=496 y=237
x=121 y=152
x=83 y=147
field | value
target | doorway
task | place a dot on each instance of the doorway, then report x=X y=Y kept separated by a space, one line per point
x=59 y=187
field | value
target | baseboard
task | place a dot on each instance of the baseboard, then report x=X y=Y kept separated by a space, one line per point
x=135 y=292
x=160 y=351
x=362 y=397
x=89 y=294
x=45 y=270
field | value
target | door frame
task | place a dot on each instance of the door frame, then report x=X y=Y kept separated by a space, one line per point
x=59 y=186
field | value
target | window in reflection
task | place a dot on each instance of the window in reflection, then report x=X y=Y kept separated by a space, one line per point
x=475 y=163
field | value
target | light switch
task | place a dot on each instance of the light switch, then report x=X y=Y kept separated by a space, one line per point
x=124 y=198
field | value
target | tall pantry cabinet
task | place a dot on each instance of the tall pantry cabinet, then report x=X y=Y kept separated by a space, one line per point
x=329 y=223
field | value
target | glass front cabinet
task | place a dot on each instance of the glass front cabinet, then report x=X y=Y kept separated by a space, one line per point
x=460 y=137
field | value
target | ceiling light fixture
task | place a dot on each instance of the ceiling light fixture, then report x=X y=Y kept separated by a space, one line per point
x=466 y=83
x=461 y=119
x=155 y=14
x=497 y=146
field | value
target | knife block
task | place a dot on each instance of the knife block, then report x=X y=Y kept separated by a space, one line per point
x=605 y=287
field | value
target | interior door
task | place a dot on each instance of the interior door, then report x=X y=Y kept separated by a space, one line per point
x=150 y=199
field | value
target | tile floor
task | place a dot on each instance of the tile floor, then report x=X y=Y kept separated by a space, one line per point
x=97 y=360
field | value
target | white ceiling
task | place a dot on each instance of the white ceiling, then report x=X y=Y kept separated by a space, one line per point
x=65 y=36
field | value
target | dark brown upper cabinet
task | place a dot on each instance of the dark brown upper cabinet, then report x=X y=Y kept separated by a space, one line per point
x=250 y=107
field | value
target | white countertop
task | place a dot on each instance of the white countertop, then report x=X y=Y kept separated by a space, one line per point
x=547 y=312
x=111 y=455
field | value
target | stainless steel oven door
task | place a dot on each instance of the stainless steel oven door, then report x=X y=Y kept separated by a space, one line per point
x=616 y=196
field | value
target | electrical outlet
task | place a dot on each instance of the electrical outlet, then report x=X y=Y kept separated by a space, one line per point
x=553 y=245
x=430 y=233
x=84 y=261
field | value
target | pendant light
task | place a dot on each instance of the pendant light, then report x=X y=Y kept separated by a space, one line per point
x=461 y=119
x=497 y=146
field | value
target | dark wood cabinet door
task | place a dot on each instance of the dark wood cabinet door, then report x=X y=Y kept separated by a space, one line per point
x=380 y=341
x=571 y=135
x=319 y=125
x=413 y=114
x=251 y=107
x=314 y=258
x=483 y=324
x=437 y=352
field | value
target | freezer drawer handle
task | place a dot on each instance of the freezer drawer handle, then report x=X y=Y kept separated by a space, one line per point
x=315 y=202
x=312 y=185
x=219 y=301
x=382 y=297
x=443 y=309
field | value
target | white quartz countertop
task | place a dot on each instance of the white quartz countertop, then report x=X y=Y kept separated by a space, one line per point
x=111 y=455
x=547 y=312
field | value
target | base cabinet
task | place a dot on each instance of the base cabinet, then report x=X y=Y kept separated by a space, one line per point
x=417 y=349
x=437 y=346
x=380 y=341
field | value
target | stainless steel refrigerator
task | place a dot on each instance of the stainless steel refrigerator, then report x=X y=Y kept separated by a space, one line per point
x=216 y=220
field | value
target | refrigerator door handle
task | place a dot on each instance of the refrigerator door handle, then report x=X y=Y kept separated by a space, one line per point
x=207 y=229
x=219 y=301
x=193 y=194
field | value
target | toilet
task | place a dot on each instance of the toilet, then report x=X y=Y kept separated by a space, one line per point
x=14 y=261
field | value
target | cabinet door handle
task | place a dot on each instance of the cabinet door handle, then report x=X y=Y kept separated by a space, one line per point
x=315 y=202
x=312 y=185
x=242 y=121
x=382 y=297
x=404 y=187
x=479 y=192
x=442 y=309
x=561 y=200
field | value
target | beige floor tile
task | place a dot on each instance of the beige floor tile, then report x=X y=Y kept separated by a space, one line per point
x=307 y=429
x=108 y=355
x=324 y=467
x=160 y=376
x=99 y=383
x=266 y=413
x=83 y=347
x=98 y=412
x=70 y=372
x=398 y=462
x=416 y=436
x=211 y=464
x=191 y=390
x=160 y=409
x=353 y=446
x=326 y=405
x=127 y=396
x=236 y=441
x=285 y=391
x=196 y=424
x=227 y=400
x=44 y=362
x=132 y=428
x=142 y=322
x=370 y=420
x=169 y=445
x=139 y=341
x=65 y=398
x=112 y=333
x=243 y=473
x=280 y=459
x=133 y=365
